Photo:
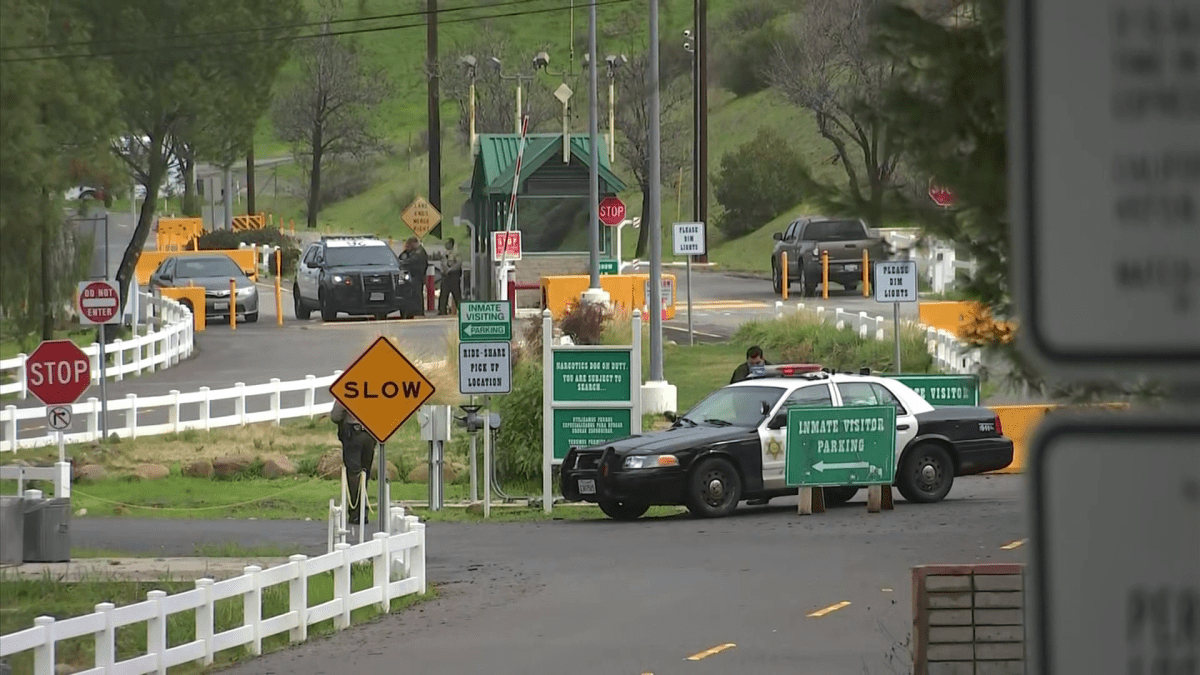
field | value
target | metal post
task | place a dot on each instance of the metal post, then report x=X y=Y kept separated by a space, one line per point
x=103 y=385
x=518 y=102
x=896 y=332
x=383 y=505
x=612 y=117
x=474 y=471
x=62 y=449
x=487 y=457
x=227 y=203
x=593 y=165
x=691 y=335
x=106 y=270
x=472 y=112
x=655 y=224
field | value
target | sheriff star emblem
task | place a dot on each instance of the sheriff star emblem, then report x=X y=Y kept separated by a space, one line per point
x=774 y=449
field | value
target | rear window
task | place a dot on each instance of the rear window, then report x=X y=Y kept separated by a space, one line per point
x=835 y=230
x=198 y=268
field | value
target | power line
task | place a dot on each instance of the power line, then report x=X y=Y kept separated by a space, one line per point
x=358 y=31
x=269 y=28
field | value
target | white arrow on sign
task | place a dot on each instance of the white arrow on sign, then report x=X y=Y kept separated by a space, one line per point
x=821 y=466
x=483 y=330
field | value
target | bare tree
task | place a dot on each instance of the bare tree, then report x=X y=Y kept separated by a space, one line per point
x=825 y=64
x=326 y=112
x=633 y=125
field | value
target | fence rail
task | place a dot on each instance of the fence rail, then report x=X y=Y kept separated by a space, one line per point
x=949 y=354
x=398 y=561
x=162 y=347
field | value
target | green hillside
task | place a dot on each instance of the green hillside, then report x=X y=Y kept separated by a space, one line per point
x=396 y=179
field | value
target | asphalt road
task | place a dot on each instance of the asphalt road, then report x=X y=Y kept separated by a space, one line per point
x=602 y=597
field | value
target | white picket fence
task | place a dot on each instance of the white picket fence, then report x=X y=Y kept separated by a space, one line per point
x=174 y=402
x=166 y=343
x=398 y=561
x=949 y=354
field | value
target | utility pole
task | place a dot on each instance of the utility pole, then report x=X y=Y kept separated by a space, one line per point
x=655 y=220
x=702 y=117
x=228 y=201
x=594 y=293
x=435 y=118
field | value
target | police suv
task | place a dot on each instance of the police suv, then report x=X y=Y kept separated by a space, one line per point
x=729 y=447
x=356 y=275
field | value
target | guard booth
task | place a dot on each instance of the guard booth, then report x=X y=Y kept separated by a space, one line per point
x=552 y=209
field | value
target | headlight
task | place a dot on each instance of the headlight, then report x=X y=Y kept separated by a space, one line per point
x=245 y=292
x=650 y=461
x=337 y=278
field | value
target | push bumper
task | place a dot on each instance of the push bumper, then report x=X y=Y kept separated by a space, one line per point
x=983 y=455
x=658 y=487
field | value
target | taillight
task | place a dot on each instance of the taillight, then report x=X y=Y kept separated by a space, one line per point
x=999 y=427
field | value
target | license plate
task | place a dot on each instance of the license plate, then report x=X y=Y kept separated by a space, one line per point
x=587 y=486
x=851 y=268
x=376 y=296
x=220 y=305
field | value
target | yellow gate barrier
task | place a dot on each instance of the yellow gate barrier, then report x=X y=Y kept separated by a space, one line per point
x=1018 y=422
x=178 y=234
x=193 y=296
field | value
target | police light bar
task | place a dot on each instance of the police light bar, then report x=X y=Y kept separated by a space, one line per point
x=789 y=370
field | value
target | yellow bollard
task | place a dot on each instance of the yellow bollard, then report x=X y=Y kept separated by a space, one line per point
x=783 y=273
x=278 y=289
x=825 y=274
x=866 y=274
x=232 y=304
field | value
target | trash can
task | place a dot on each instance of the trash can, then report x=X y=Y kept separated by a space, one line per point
x=47 y=530
x=12 y=530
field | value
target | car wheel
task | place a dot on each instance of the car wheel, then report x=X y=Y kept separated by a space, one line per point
x=836 y=496
x=806 y=289
x=252 y=317
x=776 y=277
x=714 y=489
x=623 y=510
x=328 y=313
x=301 y=311
x=926 y=474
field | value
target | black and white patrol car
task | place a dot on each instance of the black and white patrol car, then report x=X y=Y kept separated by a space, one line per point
x=355 y=275
x=727 y=448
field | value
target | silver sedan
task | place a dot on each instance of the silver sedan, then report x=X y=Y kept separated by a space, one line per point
x=212 y=273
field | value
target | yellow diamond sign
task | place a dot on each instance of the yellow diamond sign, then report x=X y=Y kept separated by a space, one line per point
x=421 y=217
x=382 y=388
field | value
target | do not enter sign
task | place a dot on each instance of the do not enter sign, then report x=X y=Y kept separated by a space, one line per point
x=382 y=388
x=58 y=372
x=99 y=302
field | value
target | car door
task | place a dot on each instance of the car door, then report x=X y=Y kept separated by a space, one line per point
x=773 y=441
x=789 y=245
x=162 y=277
x=872 y=393
x=305 y=275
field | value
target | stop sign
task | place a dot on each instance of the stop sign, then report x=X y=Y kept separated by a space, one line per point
x=612 y=211
x=58 y=372
x=942 y=196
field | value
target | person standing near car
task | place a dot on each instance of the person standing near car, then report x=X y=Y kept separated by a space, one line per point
x=415 y=261
x=451 y=278
x=358 y=453
x=754 y=359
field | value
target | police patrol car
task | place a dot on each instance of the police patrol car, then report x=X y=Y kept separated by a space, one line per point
x=355 y=275
x=729 y=447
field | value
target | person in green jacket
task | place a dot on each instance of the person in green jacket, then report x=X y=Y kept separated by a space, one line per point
x=358 y=453
x=754 y=359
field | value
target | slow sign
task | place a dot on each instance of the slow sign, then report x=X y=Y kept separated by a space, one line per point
x=382 y=388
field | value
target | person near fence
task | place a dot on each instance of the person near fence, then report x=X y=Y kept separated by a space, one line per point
x=451 y=279
x=358 y=453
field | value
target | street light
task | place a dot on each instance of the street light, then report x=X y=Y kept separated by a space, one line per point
x=468 y=62
x=612 y=63
x=691 y=45
x=519 y=77
x=563 y=93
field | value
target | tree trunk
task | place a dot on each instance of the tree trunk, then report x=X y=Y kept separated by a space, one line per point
x=314 y=183
x=47 y=292
x=644 y=230
x=250 y=180
x=157 y=170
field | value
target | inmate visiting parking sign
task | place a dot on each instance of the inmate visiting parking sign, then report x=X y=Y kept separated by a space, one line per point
x=382 y=388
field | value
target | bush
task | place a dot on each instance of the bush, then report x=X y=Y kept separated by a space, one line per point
x=585 y=322
x=802 y=338
x=742 y=61
x=229 y=240
x=519 y=444
x=758 y=181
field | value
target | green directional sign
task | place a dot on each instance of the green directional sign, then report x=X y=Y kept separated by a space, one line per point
x=852 y=445
x=583 y=427
x=609 y=266
x=592 y=375
x=944 y=390
x=485 y=322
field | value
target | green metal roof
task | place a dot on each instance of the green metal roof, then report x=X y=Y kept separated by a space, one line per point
x=497 y=158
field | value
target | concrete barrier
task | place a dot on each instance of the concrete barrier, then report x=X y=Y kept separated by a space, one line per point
x=964 y=319
x=627 y=291
x=1019 y=422
x=149 y=261
x=178 y=234
x=969 y=619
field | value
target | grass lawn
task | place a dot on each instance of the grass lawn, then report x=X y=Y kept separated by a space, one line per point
x=26 y=599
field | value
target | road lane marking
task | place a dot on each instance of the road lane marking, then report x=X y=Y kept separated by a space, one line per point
x=828 y=610
x=709 y=652
x=1014 y=544
x=366 y=323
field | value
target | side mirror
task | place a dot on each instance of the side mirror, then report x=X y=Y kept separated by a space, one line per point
x=764 y=407
x=312 y=264
x=778 y=236
x=779 y=421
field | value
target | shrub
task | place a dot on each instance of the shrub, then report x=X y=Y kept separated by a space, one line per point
x=519 y=440
x=229 y=240
x=585 y=322
x=218 y=240
x=802 y=338
x=757 y=182
x=742 y=61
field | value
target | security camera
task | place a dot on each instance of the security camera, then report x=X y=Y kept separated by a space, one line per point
x=687 y=46
x=468 y=61
x=687 y=34
x=541 y=60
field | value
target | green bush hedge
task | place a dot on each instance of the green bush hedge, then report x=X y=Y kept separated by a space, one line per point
x=802 y=338
x=229 y=240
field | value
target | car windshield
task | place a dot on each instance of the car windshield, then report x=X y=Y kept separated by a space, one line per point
x=360 y=255
x=735 y=406
x=834 y=230
x=196 y=268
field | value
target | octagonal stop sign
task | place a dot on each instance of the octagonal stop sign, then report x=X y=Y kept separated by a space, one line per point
x=58 y=372
x=612 y=211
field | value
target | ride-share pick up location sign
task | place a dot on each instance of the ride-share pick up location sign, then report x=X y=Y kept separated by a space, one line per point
x=852 y=445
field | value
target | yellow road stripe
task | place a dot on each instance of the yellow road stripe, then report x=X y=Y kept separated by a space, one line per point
x=827 y=610
x=1014 y=544
x=709 y=652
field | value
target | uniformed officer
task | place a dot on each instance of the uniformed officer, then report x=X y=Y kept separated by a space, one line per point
x=358 y=453
x=451 y=279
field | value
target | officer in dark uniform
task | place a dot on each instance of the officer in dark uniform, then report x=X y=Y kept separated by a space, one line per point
x=358 y=453
x=415 y=260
